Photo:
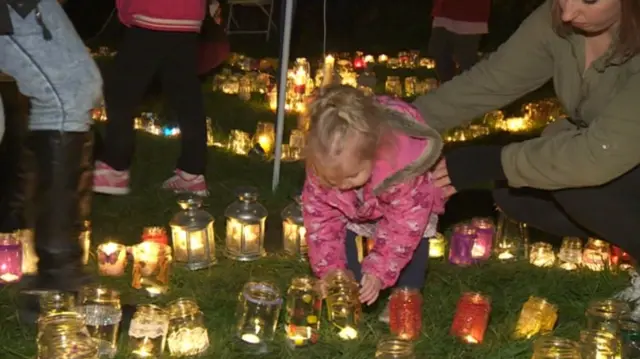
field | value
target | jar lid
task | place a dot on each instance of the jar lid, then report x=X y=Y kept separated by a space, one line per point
x=247 y=193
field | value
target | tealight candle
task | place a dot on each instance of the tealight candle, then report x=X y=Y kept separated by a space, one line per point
x=437 y=245
x=112 y=259
x=542 y=255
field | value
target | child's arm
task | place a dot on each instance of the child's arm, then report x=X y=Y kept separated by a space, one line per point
x=326 y=229
x=406 y=209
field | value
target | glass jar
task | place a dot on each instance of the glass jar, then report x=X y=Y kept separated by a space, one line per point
x=245 y=226
x=294 y=235
x=343 y=303
x=537 y=316
x=570 y=254
x=485 y=231
x=596 y=255
x=112 y=259
x=605 y=315
x=148 y=331
x=405 y=313
x=155 y=234
x=512 y=239
x=630 y=338
x=239 y=142
x=597 y=344
x=621 y=259
x=52 y=302
x=151 y=266
x=461 y=244
x=393 y=86
x=10 y=258
x=187 y=334
x=410 y=85
x=471 y=318
x=244 y=88
x=542 y=255
x=393 y=348
x=192 y=232
x=259 y=306
x=101 y=309
x=60 y=334
x=265 y=136
x=437 y=246
x=555 y=348
x=304 y=309
x=296 y=144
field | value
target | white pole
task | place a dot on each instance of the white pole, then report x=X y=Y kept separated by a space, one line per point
x=282 y=90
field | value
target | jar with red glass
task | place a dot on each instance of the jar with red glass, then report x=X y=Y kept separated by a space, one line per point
x=471 y=318
x=405 y=313
x=155 y=234
x=621 y=259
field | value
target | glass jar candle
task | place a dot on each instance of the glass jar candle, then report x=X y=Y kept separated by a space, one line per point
x=343 y=303
x=296 y=144
x=471 y=318
x=605 y=315
x=537 y=316
x=65 y=337
x=304 y=309
x=148 y=331
x=410 y=86
x=621 y=259
x=265 y=136
x=541 y=255
x=259 y=306
x=112 y=259
x=630 y=337
x=187 y=334
x=461 y=244
x=485 y=231
x=29 y=256
x=596 y=255
x=10 y=258
x=245 y=226
x=512 y=239
x=393 y=86
x=405 y=313
x=570 y=254
x=52 y=302
x=239 y=142
x=437 y=246
x=394 y=348
x=555 y=348
x=151 y=265
x=597 y=344
x=192 y=234
x=294 y=234
x=155 y=234
x=101 y=309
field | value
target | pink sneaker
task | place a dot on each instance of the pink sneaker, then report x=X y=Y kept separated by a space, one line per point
x=186 y=182
x=106 y=180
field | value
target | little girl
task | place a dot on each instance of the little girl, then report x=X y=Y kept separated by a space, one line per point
x=367 y=174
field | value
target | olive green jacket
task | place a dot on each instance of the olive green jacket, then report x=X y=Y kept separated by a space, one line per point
x=601 y=142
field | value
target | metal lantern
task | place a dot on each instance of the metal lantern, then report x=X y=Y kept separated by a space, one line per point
x=245 y=226
x=192 y=234
x=294 y=235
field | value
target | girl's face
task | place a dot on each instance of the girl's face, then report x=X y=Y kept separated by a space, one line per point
x=590 y=16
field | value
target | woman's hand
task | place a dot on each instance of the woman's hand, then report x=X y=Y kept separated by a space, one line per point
x=441 y=179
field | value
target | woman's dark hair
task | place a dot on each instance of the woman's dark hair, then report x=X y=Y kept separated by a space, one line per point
x=628 y=43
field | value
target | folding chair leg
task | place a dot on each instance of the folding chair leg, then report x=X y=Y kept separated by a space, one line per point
x=270 y=21
x=230 y=18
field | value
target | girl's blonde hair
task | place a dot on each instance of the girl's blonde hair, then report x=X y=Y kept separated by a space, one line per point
x=338 y=114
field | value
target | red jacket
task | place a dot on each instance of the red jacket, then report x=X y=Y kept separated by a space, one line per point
x=162 y=15
x=462 y=10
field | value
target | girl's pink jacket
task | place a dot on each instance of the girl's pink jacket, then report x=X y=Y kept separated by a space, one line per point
x=396 y=217
x=162 y=15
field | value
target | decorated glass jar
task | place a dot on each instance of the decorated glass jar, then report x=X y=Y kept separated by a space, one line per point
x=405 y=313
x=187 y=335
x=148 y=331
x=343 y=303
x=304 y=310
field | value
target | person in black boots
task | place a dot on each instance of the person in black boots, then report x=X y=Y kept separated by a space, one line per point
x=41 y=50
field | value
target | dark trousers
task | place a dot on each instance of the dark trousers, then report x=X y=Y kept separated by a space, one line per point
x=610 y=212
x=448 y=48
x=412 y=276
x=142 y=54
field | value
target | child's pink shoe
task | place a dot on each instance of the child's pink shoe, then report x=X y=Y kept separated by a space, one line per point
x=107 y=180
x=187 y=182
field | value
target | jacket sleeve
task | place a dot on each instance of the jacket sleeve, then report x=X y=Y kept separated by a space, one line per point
x=326 y=229
x=588 y=157
x=520 y=65
x=406 y=210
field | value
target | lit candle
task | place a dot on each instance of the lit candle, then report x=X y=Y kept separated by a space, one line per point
x=596 y=255
x=471 y=318
x=348 y=333
x=112 y=259
x=383 y=58
x=196 y=244
x=542 y=255
x=437 y=246
x=251 y=338
x=485 y=232
x=10 y=258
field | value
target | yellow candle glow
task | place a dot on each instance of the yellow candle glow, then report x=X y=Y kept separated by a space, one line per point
x=8 y=277
x=348 y=333
x=383 y=58
x=437 y=246
x=112 y=259
x=542 y=255
x=149 y=255
x=251 y=338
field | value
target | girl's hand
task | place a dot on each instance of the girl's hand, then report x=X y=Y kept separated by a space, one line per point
x=321 y=288
x=441 y=179
x=370 y=289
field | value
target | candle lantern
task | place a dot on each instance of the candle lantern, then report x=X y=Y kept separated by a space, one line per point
x=155 y=234
x=343 y=303
x=151 y=265
x=537 y=316
x=570 y=254
x=512 y=239
x=296 y=144
x=187 y=335
x=393 y=86
x=304 y=308
x=148 y=331
x=485 y=231
x=85 y=241
x=265 y=136
x=259 y=306
x=239 y=142
x=29 y=256
x=410 y=86
x=541 y=255
x=598 y=344
x=52 y=302
x=245 y=226
x=394 y=348
x=461 y=244
x=101 y=309
x=437 y=246
x=10 y=258
x=405 y=313
x=596 y=255
x=192 y=234
x=112 y=259
x=471 y=318
x=555 y=348
x=65 y=336
x=619 y=259
x=293 y=232
x=605 y=315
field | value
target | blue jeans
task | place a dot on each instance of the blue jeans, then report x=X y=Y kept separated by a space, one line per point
x=412 y=276
x=59 y=75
